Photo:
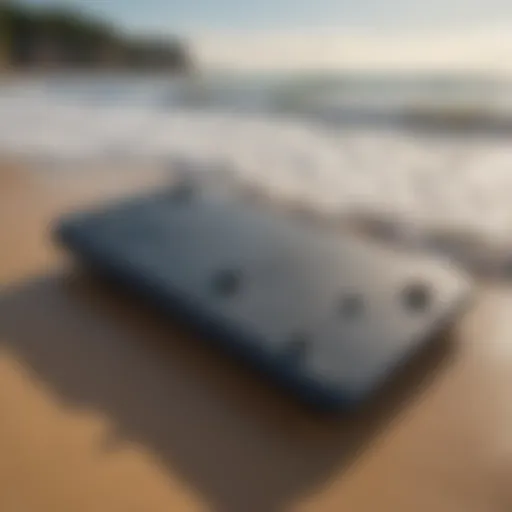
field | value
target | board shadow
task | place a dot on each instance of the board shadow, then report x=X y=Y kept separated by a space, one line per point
x=238 y=442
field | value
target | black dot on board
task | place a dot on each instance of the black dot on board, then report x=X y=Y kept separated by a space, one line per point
x=227 y=282
x=416 y=297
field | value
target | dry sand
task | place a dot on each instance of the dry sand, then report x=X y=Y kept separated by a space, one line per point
x=105 y=407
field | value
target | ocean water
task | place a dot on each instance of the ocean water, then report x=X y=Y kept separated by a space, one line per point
x=424 y=161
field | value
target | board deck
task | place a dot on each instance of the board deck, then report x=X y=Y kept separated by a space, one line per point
x=325 y=315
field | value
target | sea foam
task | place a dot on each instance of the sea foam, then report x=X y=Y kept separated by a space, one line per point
x=439 y=191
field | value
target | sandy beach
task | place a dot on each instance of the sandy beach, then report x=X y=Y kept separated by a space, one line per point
x=107 y=407
x=389 y=121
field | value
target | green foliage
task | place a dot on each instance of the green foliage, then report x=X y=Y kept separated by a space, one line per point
x=79 y=39
x=58 y=22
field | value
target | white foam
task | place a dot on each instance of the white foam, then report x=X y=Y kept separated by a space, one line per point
x=420 y=184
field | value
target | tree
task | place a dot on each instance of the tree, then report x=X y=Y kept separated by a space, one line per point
x=69 y=38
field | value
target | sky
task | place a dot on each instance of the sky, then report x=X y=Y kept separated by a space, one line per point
x=249 y=15
x=324 y=33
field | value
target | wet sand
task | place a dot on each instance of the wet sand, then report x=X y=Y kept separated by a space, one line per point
x=107 y=407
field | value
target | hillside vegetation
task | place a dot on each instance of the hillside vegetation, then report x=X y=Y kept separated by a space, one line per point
x=57 y=37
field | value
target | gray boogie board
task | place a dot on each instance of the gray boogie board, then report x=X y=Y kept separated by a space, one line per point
x=326 y=315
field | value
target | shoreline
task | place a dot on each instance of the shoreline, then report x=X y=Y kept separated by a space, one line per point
x=481 y=255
